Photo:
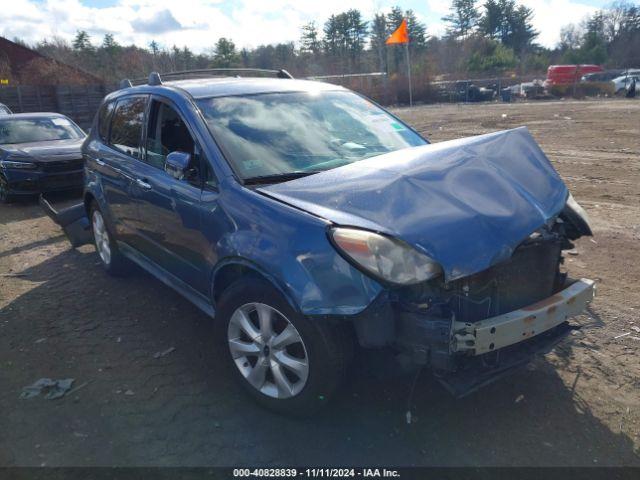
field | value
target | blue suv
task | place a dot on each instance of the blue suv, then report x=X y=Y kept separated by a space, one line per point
x=312 y=223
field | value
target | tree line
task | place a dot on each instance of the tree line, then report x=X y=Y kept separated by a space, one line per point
x=495 y=37
x=610 y=37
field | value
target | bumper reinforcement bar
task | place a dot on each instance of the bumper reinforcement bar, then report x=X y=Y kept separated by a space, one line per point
x=513 y=327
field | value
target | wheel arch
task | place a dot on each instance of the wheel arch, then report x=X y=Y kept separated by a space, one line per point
x=233 y=269
x=89 y=198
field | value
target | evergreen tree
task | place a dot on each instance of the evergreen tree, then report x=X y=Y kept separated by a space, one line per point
x=310 y=40
x=109 y=44
x=463 y=18
x=379 y=34
x=225 y=54
x=356 y=32
x=417 y=31
x=492 y=19
x=82 y=42
x=521 y=31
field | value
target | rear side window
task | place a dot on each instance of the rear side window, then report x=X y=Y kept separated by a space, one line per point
x=103 y=120
x=126 y=125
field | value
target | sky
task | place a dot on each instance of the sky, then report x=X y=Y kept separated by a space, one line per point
x=249 y=23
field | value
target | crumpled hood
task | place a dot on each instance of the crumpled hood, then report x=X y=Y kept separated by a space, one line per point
x=55 y=150
x=466 y=203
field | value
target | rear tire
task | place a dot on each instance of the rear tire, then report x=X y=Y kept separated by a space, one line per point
x=5 y=196
x=289 y=364
x=112 y=260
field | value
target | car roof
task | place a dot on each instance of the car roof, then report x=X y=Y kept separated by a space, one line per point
x=36 y=115
x=230 y=86
x=226 y=86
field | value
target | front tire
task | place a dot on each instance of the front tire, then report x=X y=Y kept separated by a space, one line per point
x=112 y=260
x=287 y=362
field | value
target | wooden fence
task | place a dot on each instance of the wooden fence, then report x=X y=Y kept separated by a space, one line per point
x=78 y=102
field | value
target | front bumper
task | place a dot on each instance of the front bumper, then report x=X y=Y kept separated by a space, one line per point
x=467 y=356
x=30 y=182
x=475 y=372
x=504 y=330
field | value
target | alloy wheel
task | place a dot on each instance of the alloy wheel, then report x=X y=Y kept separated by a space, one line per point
x=101 y=237
x=268 y=350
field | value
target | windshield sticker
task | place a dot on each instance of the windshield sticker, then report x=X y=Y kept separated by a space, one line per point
x=251 y=164
x=61 y=122
x=386 y=124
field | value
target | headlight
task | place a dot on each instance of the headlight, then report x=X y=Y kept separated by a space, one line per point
x=384 y=257
x=576 y=207
x=12 y=164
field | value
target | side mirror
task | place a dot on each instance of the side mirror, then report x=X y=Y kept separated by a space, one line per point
x=177 y=164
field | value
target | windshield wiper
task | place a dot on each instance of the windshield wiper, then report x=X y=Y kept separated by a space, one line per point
x=276 y=178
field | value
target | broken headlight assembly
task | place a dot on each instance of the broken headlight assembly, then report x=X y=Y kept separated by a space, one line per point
x=577 y=219
x=383 y=257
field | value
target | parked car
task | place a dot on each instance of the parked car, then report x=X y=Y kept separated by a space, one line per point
x=622 y=83
x=605 y=76
x=533 y=89
x=468 y=92
x=4 y=110
x=39 y=152
x=307 y=221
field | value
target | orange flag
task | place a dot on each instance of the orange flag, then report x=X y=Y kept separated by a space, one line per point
x=401 y=35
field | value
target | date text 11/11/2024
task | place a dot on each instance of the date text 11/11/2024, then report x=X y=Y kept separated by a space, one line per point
x=316 y=473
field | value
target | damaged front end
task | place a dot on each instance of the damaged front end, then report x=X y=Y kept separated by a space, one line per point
x=477 y=329
x=487 y=218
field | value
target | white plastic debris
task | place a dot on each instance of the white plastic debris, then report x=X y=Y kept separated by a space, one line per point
x=51 y=389
x=164 y=353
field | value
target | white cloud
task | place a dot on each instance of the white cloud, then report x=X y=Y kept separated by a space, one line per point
x=199 y=23
x=551 y=15
x=440 y=7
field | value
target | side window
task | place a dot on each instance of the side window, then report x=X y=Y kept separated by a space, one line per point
x=168 y=133
x=126 y=125
x=103 y=120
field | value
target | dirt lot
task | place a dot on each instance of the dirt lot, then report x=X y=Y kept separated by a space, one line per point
x=61 y=316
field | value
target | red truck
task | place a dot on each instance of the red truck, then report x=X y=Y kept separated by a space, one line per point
x=564 y=75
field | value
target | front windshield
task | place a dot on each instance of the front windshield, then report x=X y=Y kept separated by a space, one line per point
x=39 y=129
x=275 y=134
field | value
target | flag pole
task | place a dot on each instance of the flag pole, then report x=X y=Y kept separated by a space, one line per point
x=409 y=75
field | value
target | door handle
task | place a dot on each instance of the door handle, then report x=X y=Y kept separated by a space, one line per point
x=142 y=184
x=100 y=162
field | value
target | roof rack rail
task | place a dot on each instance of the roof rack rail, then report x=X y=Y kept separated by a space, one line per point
x=156 y=78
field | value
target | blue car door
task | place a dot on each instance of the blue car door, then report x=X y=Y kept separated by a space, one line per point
x=169 y=216
x=116 y=162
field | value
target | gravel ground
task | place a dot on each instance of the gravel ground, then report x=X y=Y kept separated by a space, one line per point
x=62 y=317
